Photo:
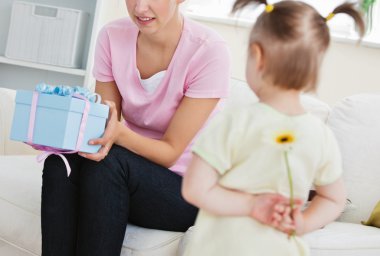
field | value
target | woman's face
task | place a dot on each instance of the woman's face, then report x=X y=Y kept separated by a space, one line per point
x=152 y=15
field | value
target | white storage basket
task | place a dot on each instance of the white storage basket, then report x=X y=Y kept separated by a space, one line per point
x=47 y=34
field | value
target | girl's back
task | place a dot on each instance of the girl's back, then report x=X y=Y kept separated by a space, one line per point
x=246 y=146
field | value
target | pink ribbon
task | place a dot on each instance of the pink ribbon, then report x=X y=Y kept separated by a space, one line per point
x=51 y=150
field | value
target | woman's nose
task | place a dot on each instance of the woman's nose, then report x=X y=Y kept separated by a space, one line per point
x=141 y=6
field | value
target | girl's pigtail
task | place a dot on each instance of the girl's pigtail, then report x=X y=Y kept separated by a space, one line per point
x=240 y=4
x=349 y=9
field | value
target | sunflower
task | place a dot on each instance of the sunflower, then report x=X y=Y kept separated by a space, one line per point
x=282 y=139
x=285 y=137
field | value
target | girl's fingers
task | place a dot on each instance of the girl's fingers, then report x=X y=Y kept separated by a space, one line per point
x=287 y=211
x=298 y=202
x=279 y=208
x=276 y=216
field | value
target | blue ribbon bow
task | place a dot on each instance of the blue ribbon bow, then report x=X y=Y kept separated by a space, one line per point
x=64 y=90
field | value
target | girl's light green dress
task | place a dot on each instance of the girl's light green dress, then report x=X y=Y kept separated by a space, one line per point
x=241 y=145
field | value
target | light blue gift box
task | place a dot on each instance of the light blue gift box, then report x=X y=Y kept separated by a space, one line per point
x=57 y=121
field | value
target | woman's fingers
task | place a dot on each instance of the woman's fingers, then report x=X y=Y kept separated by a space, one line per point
x=98 y=141
x=106 y=141
x=100 y=155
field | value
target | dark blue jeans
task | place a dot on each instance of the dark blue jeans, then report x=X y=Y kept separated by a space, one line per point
x=87 y=213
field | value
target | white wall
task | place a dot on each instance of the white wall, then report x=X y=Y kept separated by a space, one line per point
x=348 y=69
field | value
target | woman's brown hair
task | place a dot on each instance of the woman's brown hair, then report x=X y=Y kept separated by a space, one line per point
x=293 y=38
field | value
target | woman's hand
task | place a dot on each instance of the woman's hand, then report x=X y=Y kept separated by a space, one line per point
x=110 y=134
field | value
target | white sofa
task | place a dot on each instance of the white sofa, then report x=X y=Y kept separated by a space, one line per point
x=355 y=121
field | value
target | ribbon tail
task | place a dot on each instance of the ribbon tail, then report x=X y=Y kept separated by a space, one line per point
x=68 y=168
x=41 y=157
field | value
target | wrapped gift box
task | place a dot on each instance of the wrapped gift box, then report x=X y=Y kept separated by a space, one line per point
x=57 y=121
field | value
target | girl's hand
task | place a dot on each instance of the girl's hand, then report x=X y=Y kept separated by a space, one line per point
x=110 y=134
x=289 y=222
x=269 y=207
x=274 y=210
x=299 y=221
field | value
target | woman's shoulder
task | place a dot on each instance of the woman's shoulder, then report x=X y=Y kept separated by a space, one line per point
x=200 y=33
x=119 y=26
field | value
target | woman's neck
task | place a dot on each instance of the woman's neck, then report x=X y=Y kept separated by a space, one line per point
x=167 y=37
x=284 y=100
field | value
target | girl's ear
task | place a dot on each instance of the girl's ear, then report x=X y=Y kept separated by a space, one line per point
x=256 y=52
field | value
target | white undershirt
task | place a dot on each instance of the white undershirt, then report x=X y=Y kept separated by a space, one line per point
x=150 y=84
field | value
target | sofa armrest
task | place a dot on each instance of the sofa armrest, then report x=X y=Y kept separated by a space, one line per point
x=8 y=147
x=356 y=124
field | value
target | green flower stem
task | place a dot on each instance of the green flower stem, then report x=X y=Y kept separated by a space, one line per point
x=290 y=178
x=291 y=196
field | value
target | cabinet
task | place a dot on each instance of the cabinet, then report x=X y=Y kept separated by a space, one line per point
x=16 y=74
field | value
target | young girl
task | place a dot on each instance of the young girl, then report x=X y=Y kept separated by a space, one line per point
x=271 y=147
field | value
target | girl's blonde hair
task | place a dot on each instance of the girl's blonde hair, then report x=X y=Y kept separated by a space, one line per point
x=293 y=37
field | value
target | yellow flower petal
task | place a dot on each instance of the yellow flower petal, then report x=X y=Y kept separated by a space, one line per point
x=285 y=138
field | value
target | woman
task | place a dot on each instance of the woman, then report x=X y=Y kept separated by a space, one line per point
x=165 y=75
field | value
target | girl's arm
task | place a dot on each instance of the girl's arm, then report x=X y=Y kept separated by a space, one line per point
x=325 y=207
x=190 y=116
x=200 y=187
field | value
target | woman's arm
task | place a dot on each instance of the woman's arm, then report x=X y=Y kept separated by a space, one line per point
x=109 y=92
x=325 y=207
x=200 y=187
x=190 y=116
x=188 y=119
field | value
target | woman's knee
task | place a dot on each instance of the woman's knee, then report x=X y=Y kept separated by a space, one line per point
x=55 y=169
x=119 y=167
x=120 y=160
x=107 y=170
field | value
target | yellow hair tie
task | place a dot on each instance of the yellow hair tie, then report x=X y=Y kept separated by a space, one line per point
x=269 y=8
x=330 y=16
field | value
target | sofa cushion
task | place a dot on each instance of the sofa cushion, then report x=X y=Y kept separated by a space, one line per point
x=356 y=124
x=20 y=228
x=140 y=241
x=336 y=239
x=20 y=193
x=344 y=239
x=7 y=249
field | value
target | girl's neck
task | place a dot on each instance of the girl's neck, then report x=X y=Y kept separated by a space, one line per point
x=283 y=100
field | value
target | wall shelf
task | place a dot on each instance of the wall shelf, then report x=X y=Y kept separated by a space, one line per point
x=70 y=71
x=20 y=74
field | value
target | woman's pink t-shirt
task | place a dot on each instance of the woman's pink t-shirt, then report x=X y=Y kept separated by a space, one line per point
x=199 y=69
